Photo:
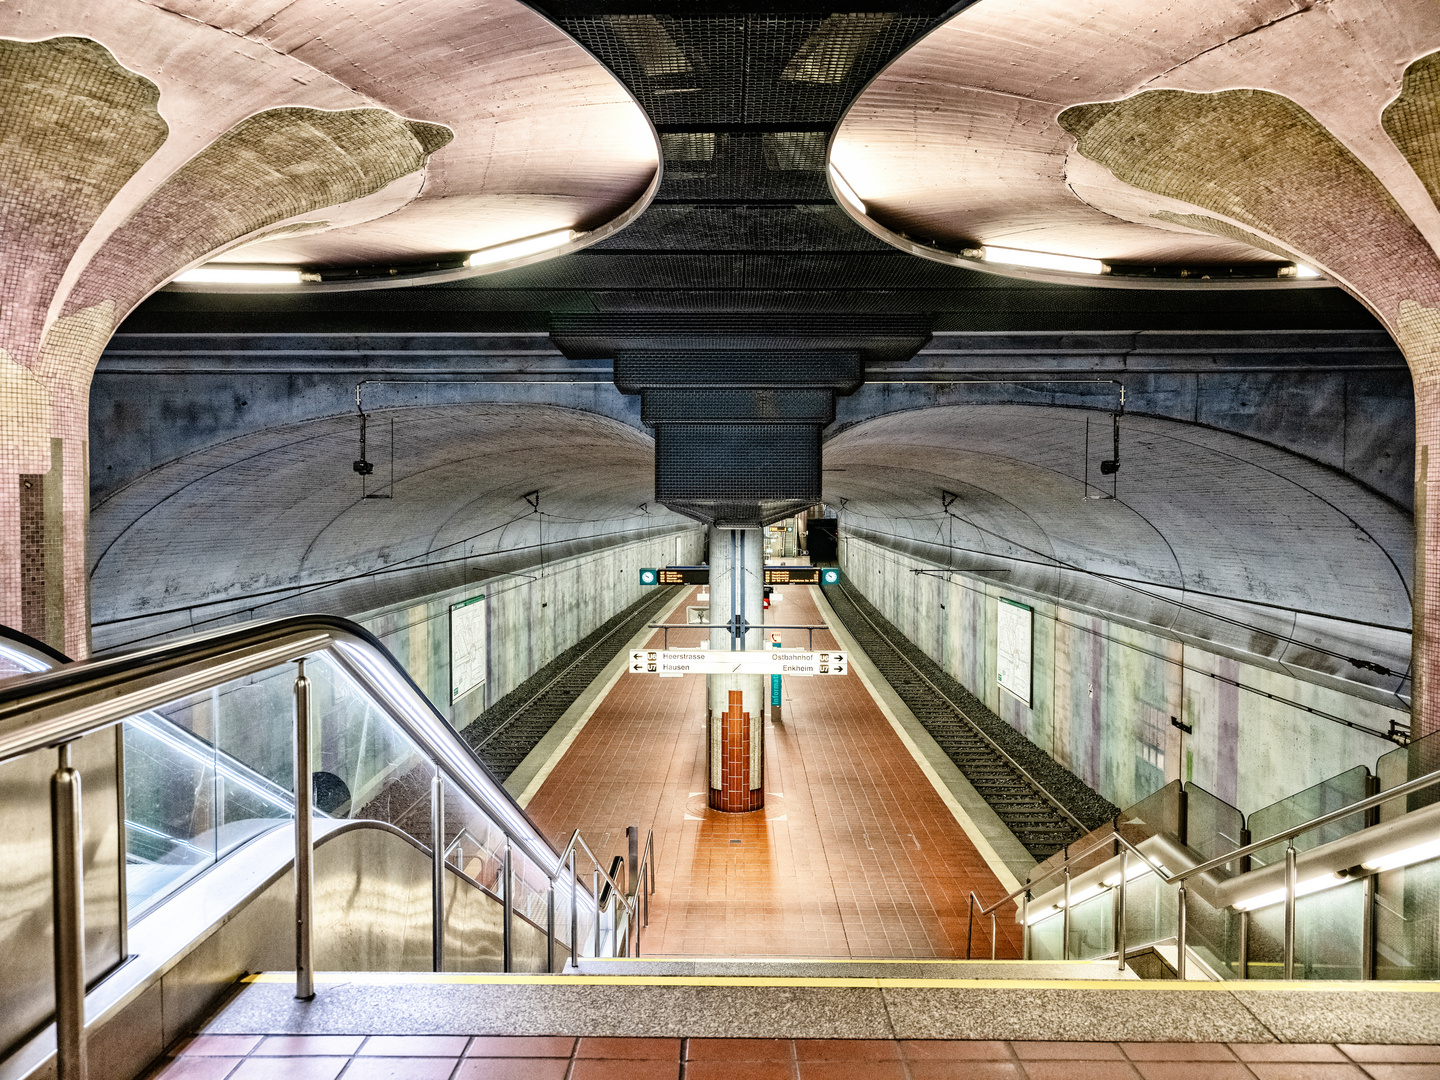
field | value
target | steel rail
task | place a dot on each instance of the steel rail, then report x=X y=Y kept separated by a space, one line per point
x=551 y=684
x=1039 y=788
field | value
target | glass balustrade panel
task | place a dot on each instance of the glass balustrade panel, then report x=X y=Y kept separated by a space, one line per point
x=1407 y=922
x=1328 y=928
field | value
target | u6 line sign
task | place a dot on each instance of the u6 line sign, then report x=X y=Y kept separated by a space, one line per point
x=717 y=662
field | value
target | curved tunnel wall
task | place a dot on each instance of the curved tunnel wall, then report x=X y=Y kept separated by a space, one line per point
x=1221 y=571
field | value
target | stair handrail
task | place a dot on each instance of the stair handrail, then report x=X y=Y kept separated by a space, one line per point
x=1114 y=837
x=52 y=709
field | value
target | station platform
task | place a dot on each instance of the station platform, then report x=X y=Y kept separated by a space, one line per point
x=856 y=852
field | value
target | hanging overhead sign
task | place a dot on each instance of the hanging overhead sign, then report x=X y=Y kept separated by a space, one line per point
x=792 y=575
x=700 y=575
x=755 y=662
x=1013 y=640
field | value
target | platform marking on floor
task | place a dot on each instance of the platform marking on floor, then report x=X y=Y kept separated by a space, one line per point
x=538 y=780
x=1008 y=881
x=411 y=978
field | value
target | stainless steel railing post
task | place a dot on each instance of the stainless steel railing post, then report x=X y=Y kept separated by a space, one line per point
x=508 y=894
x=970 y=925
x=1290 y=884
x=1180 y=934
x=596 y=885
x=550 y=930
x=574 y=914
x=437 y=872
x=1065 y=919
x=1244 y=958
x=1120 y=908
x=1367 y=929
x=68 y=901
x=1025 y=925
x=992 y=935
x=304 y=843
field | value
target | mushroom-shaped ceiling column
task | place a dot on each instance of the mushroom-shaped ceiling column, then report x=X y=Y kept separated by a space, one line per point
x=338 y=143
x=1123 y=132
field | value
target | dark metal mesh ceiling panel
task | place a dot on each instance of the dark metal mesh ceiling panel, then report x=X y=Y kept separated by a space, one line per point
x=770 y=406
x=736 y=462
x=772 y=166
x=641 y=371
x=746 y=69
x=701 y=228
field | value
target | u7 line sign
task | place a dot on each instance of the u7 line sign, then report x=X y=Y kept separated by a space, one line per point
x=753 y=662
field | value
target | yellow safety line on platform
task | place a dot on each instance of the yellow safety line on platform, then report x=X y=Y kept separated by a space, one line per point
x=421 y=978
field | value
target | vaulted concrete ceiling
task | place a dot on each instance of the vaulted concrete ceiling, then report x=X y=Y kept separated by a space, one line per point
x=275 y=523
x=1210 y=537
x=960 y=141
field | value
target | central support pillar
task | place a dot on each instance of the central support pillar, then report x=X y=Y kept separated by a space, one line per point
x=735 y=704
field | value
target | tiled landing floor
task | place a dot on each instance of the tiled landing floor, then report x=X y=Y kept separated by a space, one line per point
x=854 y=853
x=445 y=1057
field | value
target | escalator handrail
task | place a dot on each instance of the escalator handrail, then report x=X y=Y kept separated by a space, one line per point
x=49 y=709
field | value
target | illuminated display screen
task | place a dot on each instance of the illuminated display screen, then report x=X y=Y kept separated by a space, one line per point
x=684 y=575
x=792 y=575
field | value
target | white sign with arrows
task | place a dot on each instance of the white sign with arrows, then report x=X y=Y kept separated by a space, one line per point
x=717 y=662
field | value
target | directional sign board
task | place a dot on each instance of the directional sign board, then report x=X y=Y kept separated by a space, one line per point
x=751 y=662
x=685 y=575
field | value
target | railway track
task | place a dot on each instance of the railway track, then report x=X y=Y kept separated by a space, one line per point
x=507 y=731
x=1043 y=804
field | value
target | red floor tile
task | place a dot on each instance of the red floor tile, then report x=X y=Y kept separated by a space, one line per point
x=195 y=1068
x=1365 y=1052
x=739 y=1050
x=450 y=1046
x=400 y=1068
x=309 y=1045
x=296 y=1068
x=615 y=1069
x=649 y=1049
x=954 y=1050
x=1177 y=1051
x=1403 y=1071
x=217 y=1045
x=512 y=1069
x=1056 y=1069
x=846 y=1049
x=740 y=1070
x=1193 y=1070
x=557 y=1046
x=1286 y=1052
x=958 y=1069
x=851 y=1070
x=1068 y=1051
x=1289 y=1070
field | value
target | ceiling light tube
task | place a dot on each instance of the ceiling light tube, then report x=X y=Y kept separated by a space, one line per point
x=220 y=275
x=1277 y=896
x=516 y=249
x=1396 y=859
x=845 y=191
x=1299 y=270
x=1041 y=260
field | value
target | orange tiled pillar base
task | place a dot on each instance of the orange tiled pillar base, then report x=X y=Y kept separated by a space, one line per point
x=735 y=745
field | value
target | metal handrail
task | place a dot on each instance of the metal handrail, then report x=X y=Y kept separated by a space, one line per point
x=1179 y=878
x=54 y=708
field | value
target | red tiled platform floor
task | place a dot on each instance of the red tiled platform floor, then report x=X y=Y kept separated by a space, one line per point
x=445 y=1057
x=854 y=853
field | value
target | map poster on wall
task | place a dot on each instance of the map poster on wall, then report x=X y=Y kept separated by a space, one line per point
x=467 y=646
x=1012 y=648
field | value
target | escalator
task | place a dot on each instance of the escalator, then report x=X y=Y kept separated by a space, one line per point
x=187 y=844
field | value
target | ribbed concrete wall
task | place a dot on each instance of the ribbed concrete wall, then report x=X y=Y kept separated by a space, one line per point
x=531 y=617
x=1104 y=693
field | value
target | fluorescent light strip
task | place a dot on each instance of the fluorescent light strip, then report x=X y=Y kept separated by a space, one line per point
x=845 y=191
x=210 y=275
x=1303 y=271
x=1396 y=859
x=1042 y=260
x=516 y=249
x=1304 y=888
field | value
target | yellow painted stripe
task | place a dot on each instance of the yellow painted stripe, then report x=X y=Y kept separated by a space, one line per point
x=448 y=978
